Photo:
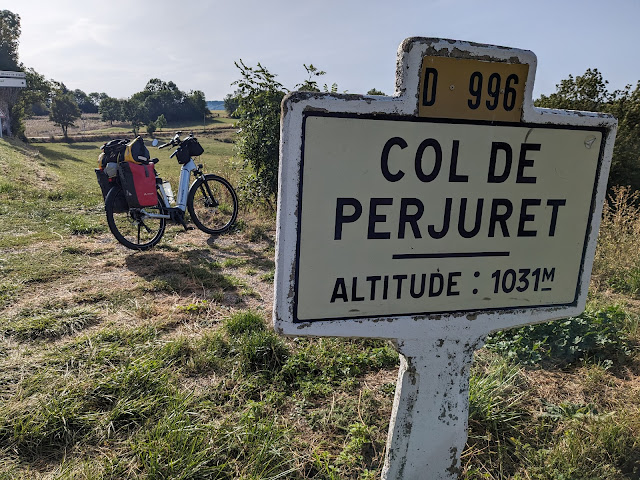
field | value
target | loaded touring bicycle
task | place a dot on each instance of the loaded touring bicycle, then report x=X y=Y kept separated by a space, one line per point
x=138 y=203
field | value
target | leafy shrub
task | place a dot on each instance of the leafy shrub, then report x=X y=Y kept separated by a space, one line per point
x=594 y=334
x=151 y=128
x=259 y=96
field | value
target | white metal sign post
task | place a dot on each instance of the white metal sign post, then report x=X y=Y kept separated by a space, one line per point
x=433 y=217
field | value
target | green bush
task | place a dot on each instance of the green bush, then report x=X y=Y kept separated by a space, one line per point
x=598 y=334
x=259 y=97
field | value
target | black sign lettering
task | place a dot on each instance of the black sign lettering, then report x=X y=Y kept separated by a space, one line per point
x=375 y=218
x=506 y=148
x=524 y=162
x=384 y=161
x=341 y=218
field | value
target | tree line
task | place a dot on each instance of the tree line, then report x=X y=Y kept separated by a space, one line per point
x=158 y=103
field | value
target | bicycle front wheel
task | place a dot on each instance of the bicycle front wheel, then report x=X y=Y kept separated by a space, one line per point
x=133 y=227
x=212 y=204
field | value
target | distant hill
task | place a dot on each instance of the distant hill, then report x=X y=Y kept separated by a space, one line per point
x=215 y=105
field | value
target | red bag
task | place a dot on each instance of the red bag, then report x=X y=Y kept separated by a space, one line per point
x=139 y=184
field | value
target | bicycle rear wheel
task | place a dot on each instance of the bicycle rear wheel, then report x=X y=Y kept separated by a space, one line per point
x=213 y=204
x=132 y=227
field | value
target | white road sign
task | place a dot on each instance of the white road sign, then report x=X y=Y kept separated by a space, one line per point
x=454 y=200
x=418 y=217
x=432 y=218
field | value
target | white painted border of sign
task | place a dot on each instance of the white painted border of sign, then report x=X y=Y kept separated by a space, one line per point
x=405 y=103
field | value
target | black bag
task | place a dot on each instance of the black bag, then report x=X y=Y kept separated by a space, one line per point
x=187 y=149
x=113 y=151
x=106 y=184
x=195 y=149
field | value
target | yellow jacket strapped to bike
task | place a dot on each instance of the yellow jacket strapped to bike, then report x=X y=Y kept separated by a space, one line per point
x=136 y=151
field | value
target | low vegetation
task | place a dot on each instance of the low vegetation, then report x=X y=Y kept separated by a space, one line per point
x=161 y=364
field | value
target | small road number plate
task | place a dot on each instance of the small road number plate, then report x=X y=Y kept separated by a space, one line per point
x=471 y=89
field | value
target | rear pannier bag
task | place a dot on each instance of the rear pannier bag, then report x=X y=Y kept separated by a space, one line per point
x=138 y=183
x=136 y=151
x=106 y=184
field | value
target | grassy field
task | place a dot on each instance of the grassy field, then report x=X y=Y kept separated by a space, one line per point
x=118 y=364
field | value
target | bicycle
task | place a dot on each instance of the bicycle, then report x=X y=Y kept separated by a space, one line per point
x=211 y=201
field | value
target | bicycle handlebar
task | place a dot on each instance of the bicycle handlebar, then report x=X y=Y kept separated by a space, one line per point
x=174 y=141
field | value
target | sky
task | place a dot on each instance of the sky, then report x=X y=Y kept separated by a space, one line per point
x=117 y=46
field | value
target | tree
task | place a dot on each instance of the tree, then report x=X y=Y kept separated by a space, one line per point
x=231 y=104
x=84 y=101
x=32 y=100
x=64 y=111
x=110 y=109
x=161 y=122
x=9 y=40
x=197 y=104
x=589 y=92
x=625 y=166
x=135 y=112
x=374 y=91
x=97 y=98
x=36 y=97
x=165 y=98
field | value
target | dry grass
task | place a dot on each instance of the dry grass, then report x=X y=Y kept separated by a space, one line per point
x=41 y=126
x=617 y=259
x=90 y=125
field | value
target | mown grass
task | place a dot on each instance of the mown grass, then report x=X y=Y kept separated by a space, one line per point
x=121 y=389
x=161 y=364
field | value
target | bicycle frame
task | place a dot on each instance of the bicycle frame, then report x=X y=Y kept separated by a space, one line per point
x=183 y=191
